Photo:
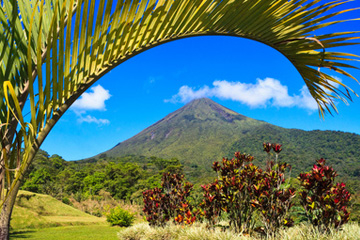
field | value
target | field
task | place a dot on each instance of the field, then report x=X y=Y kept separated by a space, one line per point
x=39 y=216
x=142 y=231
x=88 y=232
x=40 y=210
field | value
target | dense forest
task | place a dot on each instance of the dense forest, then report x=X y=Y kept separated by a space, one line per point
x=302 y=148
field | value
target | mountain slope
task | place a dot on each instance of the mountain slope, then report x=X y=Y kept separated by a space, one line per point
x=201 y=132
x=302 y=148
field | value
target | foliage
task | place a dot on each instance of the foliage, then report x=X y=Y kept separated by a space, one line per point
x=325 y=202
x=120 y=217
x=83 y=180
x=232 y=192
x=66 y=200
x=157 y=215
x=169 y=202
x=304 y=147
x=70 y=179
x=273 y=198
x=243 y=189
x=355 y=207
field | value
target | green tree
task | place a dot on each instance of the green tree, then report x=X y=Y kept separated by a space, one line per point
x=39 y=180
x=121 y=179
x=94 y=183
x=51 y=51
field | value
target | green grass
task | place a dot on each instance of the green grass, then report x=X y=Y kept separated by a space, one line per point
x=88 y=232
x=39 y=211
x=39 y=216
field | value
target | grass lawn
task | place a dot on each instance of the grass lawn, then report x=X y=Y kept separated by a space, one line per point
x=88 y=232
x=39 y=216
x=35 y=211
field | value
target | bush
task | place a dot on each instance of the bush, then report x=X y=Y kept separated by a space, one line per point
x=255 y=201
x=244 y=191
x=169 y=202
x=120 y=217
x=66 y=200
x=273 y=197
x=324 y=202
x=232 y=192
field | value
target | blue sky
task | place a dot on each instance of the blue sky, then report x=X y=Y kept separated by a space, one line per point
x=229 y=70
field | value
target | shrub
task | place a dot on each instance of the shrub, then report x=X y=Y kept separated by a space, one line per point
x=120 y=217
x=324 y=202
x=272 y=196
x=156 y=210
x=232 y=192
x=243 y=189
x=169 y=201
x=66 y=200
x=245 y=194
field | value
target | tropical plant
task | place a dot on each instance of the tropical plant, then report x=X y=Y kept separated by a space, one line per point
x=120 y=217
x=232 y=192
x=169 y=202
x=273 y=196
x=243 y=191
x=324 y=202
x=51 y=51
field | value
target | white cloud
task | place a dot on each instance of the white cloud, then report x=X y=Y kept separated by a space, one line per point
x=267 y=92
x=93 y=100
x=264 y=92
x=91 y=119
x=186 y=94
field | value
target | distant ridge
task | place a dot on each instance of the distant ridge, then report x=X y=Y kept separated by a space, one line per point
x=203 y=131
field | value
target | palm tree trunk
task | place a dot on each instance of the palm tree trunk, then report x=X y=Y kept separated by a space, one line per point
x=4 y=223
x=5 y=214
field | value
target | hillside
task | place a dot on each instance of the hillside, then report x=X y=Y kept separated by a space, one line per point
x=33 y=210
x=198 y=133
x=203 y=131
x=302 y=148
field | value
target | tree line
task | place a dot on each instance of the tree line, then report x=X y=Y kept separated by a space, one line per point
x=124 y=178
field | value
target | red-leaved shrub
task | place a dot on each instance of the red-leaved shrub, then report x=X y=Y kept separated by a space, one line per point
x=242 y=188
x=169 y=201
x=325 y=202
